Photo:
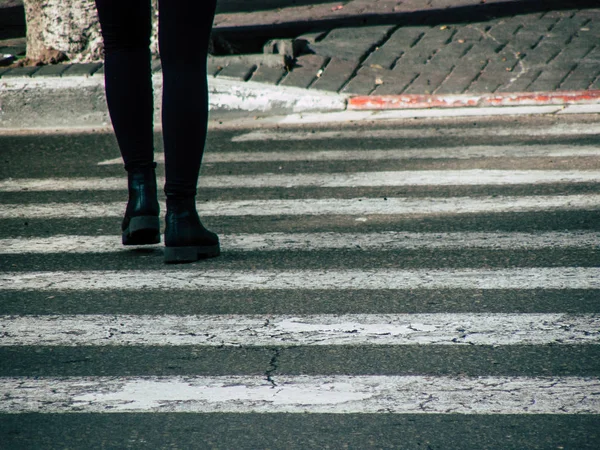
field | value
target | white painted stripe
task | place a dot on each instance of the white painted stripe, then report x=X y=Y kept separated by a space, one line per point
x=327 y=180
x=391 y=114
x=268 y=242
x=326 y=206
x=306 y=330
x=340 y=394
x=372 y=279
x=476 y=151
x=416 y=133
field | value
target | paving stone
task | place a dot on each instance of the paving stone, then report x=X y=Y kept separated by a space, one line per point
x=461 y=77
x=305 y=71
x=470 y=33
x=504 y=30
x=438 y=69
x=20 y=72
x=156 y=66
x=521 y=82
x=552 y=75
x=3 y=70
x=85 y=70
x=498 y=71
x=596 y=83
x=353 y=43
x=51 y=70
x=398 y=43
x=378 y=82
x=336 y=74
x=99 y=72
x=585 y=72
x=424 y=50
x=269 y=75
x=213 y=67
x=237 y=71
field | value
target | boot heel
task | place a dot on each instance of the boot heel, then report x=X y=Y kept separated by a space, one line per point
x=175 y=255
x=142 y=230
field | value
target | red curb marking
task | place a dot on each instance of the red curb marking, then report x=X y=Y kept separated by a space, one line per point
x=416 y=101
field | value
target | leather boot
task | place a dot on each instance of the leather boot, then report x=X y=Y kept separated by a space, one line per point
x=186 y=239
x=141 y=224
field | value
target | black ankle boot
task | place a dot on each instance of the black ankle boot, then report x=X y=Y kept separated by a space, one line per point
x=186 y=239
x=141 y=224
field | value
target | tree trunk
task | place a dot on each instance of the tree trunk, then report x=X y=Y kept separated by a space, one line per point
x=59 y=30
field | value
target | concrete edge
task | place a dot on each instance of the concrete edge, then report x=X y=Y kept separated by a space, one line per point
x=79 y=102
x=417 y=101
x=69 y=102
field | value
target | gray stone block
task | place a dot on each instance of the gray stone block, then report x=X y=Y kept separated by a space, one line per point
x=53 y=70
x=423 y=51
x=305 y=71
x=585 y=72
x=394 y=82
x=351 y=43
x=3 y=70
x=20 y=72
x=82 y=70
x=237 y=71
x=397 y=45
x=336 y=74
x=156 y=66
x=552 y=75
x=269 y=75
x=461 y=77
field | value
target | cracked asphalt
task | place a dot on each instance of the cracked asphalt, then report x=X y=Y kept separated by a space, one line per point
x=55 y=155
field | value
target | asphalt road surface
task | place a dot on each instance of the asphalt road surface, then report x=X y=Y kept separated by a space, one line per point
x=426 y=284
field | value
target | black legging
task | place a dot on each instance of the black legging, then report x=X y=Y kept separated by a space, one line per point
x=184 y=32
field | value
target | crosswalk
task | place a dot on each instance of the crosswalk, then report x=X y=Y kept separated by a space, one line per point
x=351 y=289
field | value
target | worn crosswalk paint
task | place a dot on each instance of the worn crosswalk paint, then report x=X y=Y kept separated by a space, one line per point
x=369 y=279
x=328 y=180
x=416 y=133
x=272 y=242
x=340 y=394
x=463 y=152
x=306 y=330
x=326 y=206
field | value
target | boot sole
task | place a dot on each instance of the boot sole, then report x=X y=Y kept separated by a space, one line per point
x=174 y=255
x=142 y=230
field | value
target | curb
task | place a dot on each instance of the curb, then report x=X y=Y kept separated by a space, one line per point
x=416 y=101
x=80 y=102
x=76 y=102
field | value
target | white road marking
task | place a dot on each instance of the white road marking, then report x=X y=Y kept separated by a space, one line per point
x=268 y=242
x=464 y=152
x=306 y=330
x=476 y=177
x=416 y=133
x=372 y=279
x=340 y=394
x=327 y=206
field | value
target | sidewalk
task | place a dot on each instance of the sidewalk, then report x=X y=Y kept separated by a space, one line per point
x=367 y=55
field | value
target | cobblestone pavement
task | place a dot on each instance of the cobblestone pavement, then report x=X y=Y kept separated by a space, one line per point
x=412 y=47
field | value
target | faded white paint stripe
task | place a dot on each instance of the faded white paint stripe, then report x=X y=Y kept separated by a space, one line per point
x=372 y=279
x=269 y=242
x=306 y=330
x=326 y=206
x=465 y=152
x=416 y=133
x=302 y=394
x=326 y=180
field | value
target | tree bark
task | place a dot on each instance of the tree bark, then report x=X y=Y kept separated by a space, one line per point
x=59 y=30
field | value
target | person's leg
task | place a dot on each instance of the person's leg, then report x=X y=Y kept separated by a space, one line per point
x=184 y=33
x=126 y=29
